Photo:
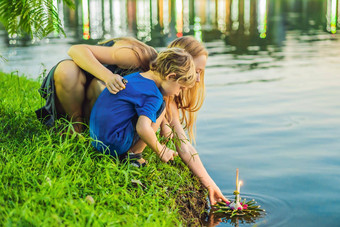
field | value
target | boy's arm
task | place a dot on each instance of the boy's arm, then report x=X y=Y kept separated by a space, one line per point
x=147 y=134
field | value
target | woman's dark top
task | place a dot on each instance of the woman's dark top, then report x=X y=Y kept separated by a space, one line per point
x=48 y=113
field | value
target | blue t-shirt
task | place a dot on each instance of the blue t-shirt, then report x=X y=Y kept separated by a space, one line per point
x=114 y=116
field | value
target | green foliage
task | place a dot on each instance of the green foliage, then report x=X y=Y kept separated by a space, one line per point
x=52 y=180
x=37 y=18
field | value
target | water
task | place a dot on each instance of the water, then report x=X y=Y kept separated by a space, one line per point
x=280 y=126
x=272 y=107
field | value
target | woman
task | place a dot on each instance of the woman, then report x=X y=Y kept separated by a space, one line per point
x=188 y=103
x=66 y=86
x=72 y=76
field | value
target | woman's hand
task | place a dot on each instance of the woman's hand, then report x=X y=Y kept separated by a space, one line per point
x=215 y=195
x=167 y=154
x=115 y=83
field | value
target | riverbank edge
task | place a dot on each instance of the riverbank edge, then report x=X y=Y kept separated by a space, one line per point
x=178 y=197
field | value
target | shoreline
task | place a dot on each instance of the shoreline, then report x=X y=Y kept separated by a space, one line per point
x=53 y=180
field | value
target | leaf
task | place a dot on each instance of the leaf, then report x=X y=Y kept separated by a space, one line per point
x=70 y=3
x=137 y=182
x=89 y=199
x=37 y=18
x=219 y=211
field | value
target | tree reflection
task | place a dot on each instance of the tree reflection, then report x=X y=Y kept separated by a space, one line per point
x=215 y=219
x=240 y=23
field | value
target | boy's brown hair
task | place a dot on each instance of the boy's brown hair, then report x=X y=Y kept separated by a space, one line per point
x=178 y=61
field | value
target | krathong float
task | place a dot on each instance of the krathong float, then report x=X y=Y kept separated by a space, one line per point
x=238 y=207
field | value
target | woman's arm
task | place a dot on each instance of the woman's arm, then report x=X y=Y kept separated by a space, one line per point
x=90 y=58
x=191 y=158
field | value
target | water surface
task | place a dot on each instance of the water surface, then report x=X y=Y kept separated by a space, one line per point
x=272 y=107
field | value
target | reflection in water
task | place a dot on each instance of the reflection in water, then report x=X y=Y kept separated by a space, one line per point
x=86 y=20
x=164 y=16
x=96 y=22
x=331 y=15
x=58 y=5
x=271 y=104
x=117 y=23
x=246 y=27
x=246 y=17
x=144 y=20
x=221 y=16
x=217 y=219
x=234 y=15
x=186 y=16
x=179 y=18
x=198 y=29
x=262 y=18
x=107 y=19
x=241 y=23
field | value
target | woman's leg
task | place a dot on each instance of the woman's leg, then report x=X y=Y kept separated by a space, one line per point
x=93 y=91
x=70 y=82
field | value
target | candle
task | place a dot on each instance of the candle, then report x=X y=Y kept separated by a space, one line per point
x=239 y=186
x=236 y=179
x=238 y=189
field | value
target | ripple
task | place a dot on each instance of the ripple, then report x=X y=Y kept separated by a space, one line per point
x=277 y=213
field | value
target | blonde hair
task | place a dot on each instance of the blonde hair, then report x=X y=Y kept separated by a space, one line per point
x=178 y=61
x=144 y=53
x=191 y=100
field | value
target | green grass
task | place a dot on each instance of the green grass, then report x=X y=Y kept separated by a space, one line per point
x=45 y=178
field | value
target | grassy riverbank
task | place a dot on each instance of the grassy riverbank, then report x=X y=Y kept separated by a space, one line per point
x=48 y=180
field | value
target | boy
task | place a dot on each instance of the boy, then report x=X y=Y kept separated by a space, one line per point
x=128 y=120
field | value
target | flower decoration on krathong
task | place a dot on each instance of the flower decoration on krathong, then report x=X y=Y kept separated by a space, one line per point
x=236 y=207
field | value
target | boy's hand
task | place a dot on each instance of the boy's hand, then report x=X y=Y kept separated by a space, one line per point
x=167 y=154
x=115 y=84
